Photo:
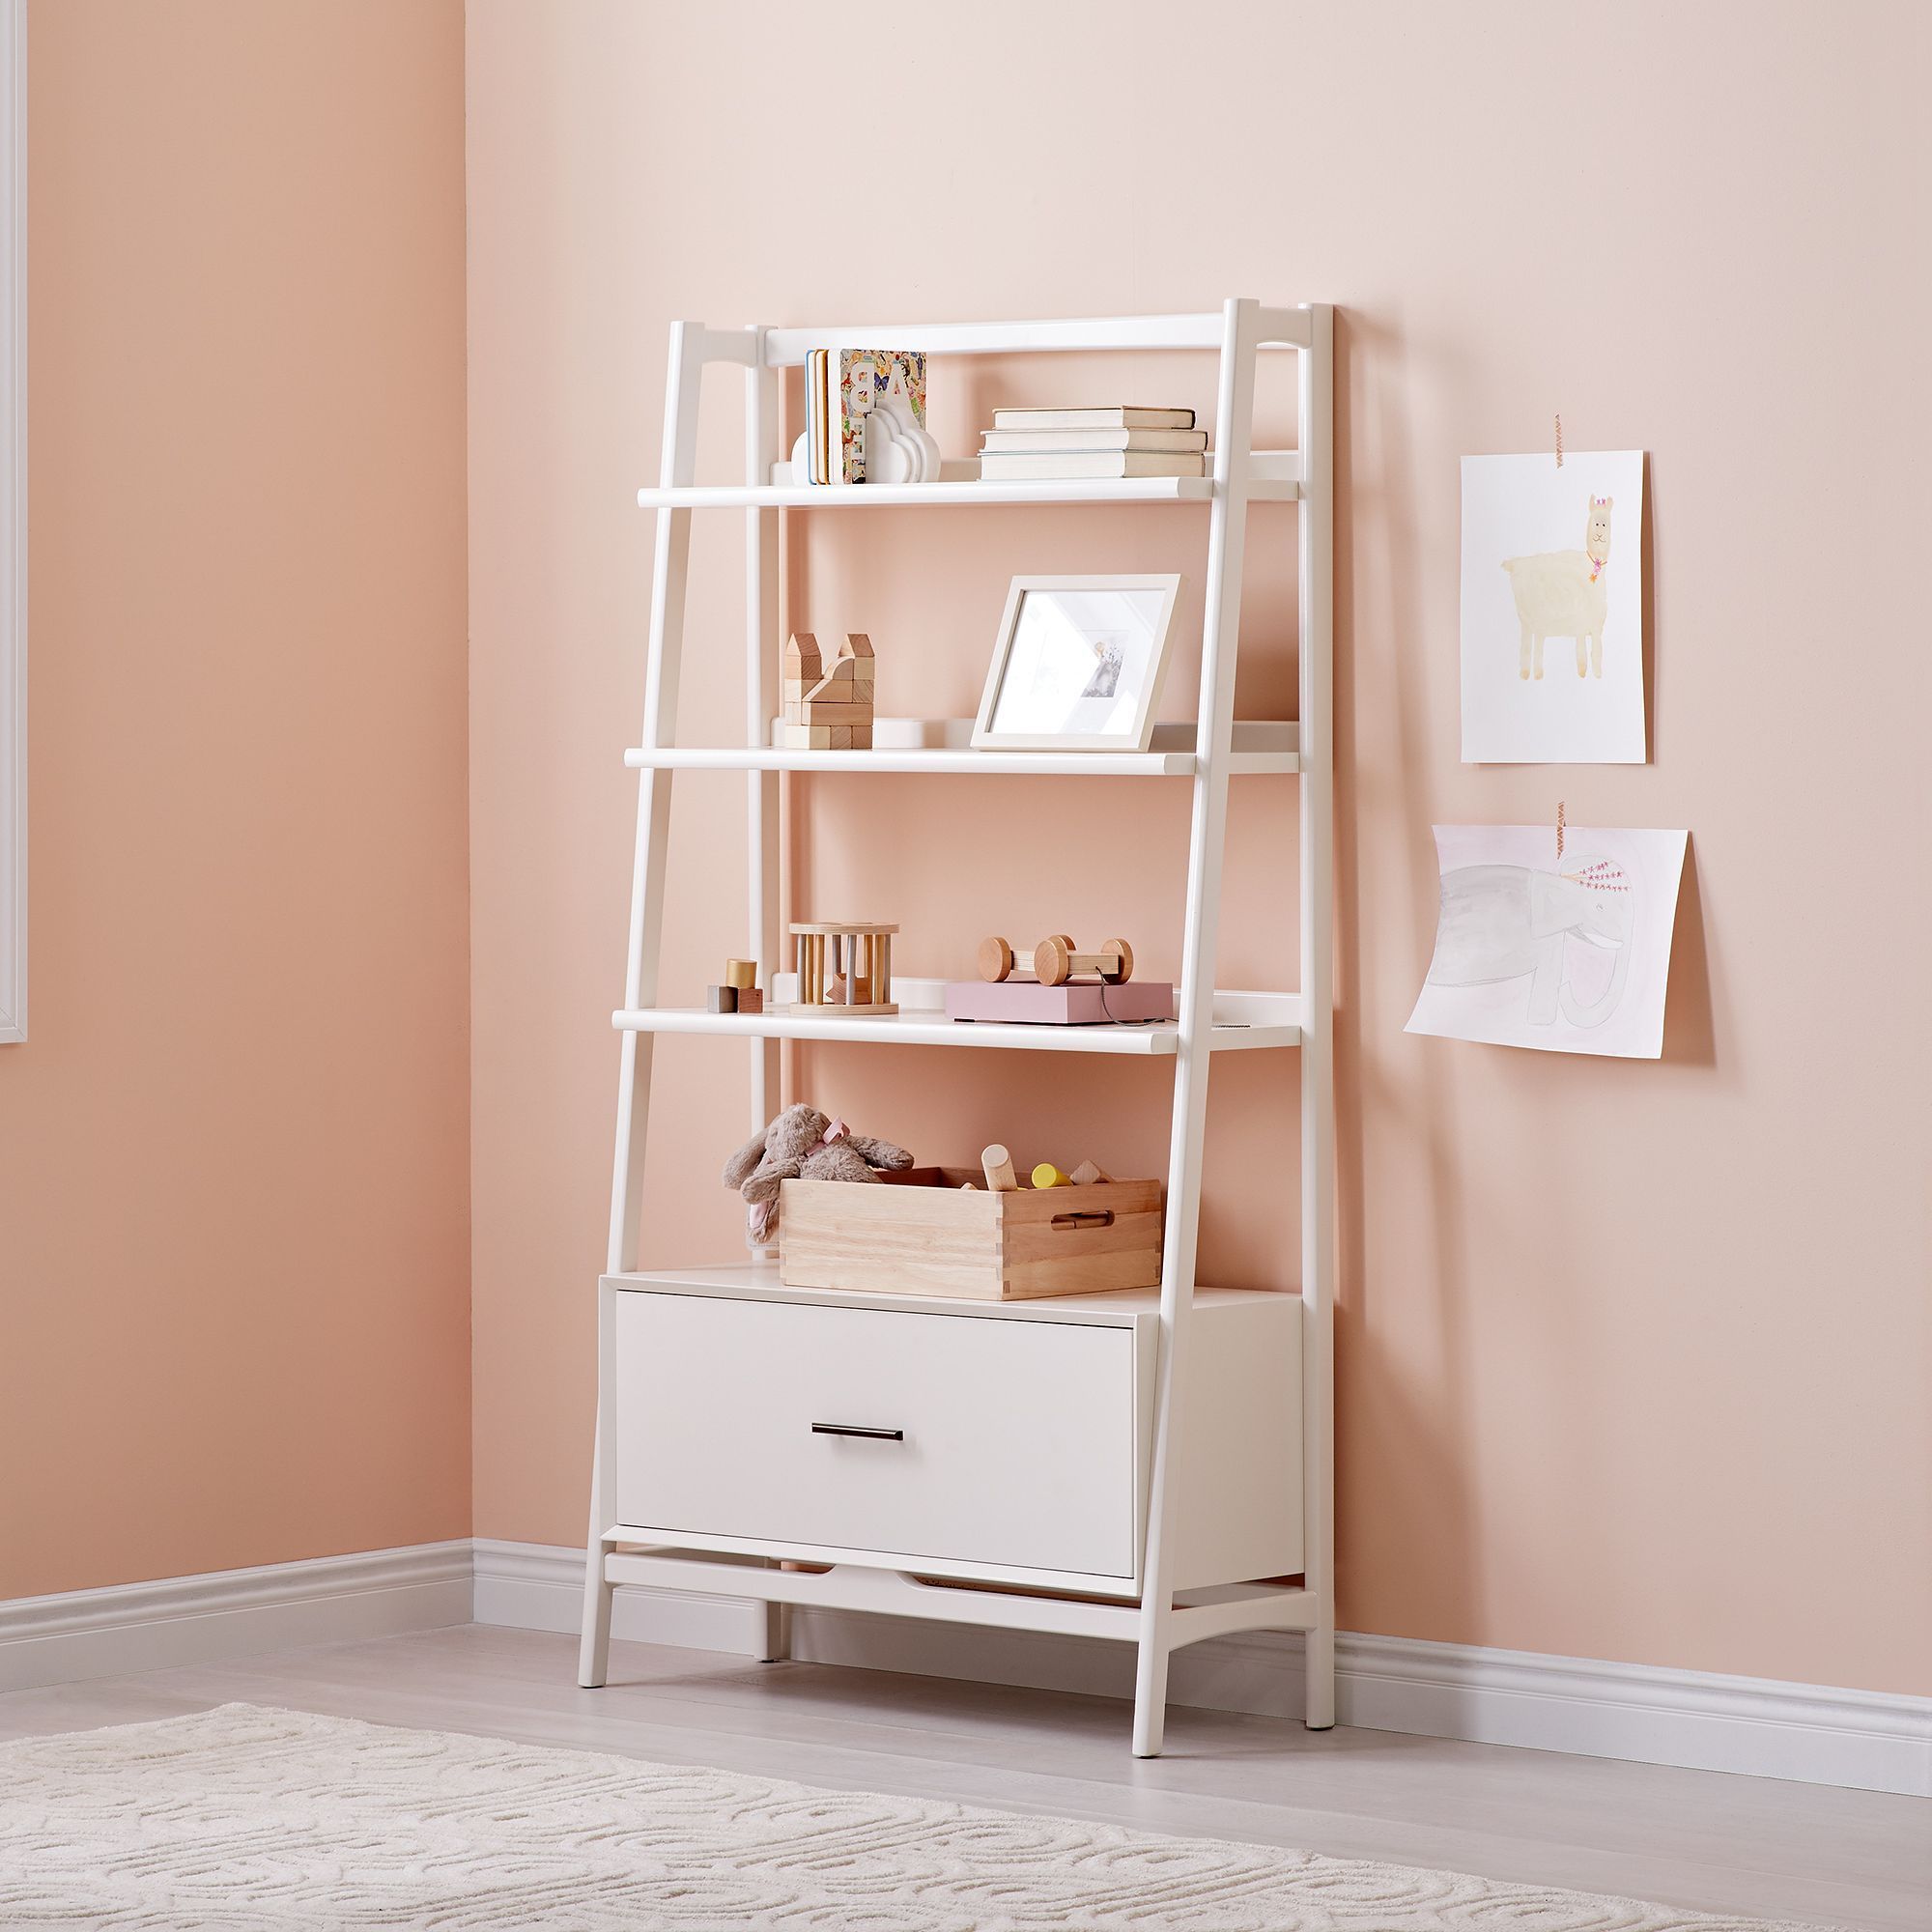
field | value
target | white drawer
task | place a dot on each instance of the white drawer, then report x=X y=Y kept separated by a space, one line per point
x=1016 y=1444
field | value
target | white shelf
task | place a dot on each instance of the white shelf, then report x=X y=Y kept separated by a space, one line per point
x=944 y=745
x=758 y=1281
x=1271 y=480
x=1203 y=329
x=1241 y=1021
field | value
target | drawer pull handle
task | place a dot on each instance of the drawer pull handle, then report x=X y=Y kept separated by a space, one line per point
x=1103 y=1219
x=856 y=1429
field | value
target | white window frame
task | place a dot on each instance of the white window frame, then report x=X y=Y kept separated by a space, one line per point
x=13 y=519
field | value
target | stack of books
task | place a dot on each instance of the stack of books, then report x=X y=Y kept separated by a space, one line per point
x=861 y=401
x=1042 y=445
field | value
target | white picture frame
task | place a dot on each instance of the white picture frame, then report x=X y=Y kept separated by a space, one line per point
x=1060 y=639
x=13 y=521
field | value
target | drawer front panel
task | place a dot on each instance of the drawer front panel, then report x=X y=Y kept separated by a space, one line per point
x=1014 y=1443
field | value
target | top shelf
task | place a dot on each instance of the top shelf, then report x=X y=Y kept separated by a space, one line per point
x=1203 y=329
x=1273 y=477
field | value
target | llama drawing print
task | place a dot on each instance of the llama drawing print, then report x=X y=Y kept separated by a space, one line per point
x=1564 y=593
x=1569 y=955
x=1529 y=582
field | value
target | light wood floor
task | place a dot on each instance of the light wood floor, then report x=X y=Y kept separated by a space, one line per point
x=1701 y=1839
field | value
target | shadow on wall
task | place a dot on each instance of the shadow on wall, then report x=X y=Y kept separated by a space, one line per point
x=1689 y=1032
x=1419 y=1432
x=1647 y=615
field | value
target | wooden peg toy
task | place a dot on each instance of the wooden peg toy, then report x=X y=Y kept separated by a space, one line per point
x=1046 y=1174
x=999 y=1167
x=1087 y=1172
x=741 y=973
x=1054 y=961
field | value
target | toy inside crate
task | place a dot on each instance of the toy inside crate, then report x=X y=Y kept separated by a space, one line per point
x=925 y=1231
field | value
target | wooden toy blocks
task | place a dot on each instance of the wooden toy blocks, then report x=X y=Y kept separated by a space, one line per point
x=828 y=707
x=739 y=994
x=820 y=737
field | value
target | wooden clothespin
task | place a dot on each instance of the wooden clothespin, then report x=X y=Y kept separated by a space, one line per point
x=1559 y=440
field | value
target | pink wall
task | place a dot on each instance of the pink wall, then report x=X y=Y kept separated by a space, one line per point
x=1632 y=1356
x=234 y=1241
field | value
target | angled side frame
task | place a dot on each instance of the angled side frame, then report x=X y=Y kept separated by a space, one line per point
x=13 y=519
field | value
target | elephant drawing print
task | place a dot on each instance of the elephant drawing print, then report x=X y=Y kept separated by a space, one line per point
x=1503 y=923
x=1528 y=582
x=1568 y=954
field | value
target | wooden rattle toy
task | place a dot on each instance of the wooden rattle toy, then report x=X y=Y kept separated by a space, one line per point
x=1053 y=961
x=844 y=967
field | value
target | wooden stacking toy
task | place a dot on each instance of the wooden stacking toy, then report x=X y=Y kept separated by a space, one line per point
x=1054 y=961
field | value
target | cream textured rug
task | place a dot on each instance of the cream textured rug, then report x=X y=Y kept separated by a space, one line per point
x=247 y=1819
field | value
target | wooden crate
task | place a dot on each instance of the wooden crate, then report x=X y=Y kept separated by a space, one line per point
x=921 y=1232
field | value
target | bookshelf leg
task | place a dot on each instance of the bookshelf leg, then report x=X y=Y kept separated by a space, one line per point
x=1319 y=1665
x=775 y=1633
x=1150 y=1691
x=593 y=1658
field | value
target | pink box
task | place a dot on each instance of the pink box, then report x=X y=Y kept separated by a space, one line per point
x=1079 y=1003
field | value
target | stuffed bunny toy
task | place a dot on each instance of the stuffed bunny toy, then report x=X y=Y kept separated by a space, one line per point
x=801 y=1145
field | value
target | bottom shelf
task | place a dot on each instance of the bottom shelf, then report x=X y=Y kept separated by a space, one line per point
x=1197 y=1614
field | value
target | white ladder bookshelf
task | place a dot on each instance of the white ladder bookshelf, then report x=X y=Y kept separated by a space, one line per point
x=1152 y=1611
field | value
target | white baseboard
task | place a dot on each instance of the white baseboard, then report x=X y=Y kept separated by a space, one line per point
x=226 y=1613
x=1860 y=1739
x=1863 y=1740
x=539 y=1587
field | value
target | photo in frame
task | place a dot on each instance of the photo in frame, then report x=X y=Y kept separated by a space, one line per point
x=1078 y=664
